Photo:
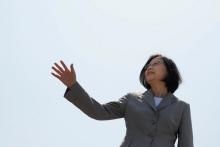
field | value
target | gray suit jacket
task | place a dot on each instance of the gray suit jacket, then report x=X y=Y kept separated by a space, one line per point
x=147 y=125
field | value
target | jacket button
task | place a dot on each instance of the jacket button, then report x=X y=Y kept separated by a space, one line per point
x=154 y=122
x=150 y=135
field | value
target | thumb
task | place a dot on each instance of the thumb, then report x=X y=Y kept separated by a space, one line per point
x=71 y=68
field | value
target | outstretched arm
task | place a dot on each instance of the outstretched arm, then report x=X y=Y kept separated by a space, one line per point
x=81 y=99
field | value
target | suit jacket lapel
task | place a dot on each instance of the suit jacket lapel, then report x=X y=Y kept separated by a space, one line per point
x=167 y=100
x=148 y=98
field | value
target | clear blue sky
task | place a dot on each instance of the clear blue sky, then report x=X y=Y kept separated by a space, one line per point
x=108 y=42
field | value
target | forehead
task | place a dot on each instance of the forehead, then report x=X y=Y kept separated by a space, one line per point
x=156 y=59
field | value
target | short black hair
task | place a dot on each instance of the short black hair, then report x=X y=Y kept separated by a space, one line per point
x=173 y=78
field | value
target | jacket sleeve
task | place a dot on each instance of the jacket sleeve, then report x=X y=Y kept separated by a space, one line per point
x=185 y=133
x=81 y=99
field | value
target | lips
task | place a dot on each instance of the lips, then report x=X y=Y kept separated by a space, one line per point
x=150 y=72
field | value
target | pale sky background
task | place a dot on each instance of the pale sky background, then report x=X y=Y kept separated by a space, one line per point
x=108 y=41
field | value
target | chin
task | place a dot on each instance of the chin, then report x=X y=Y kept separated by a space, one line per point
x=149 y=80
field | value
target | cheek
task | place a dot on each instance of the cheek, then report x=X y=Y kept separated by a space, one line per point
x=148 y=77
x=162 y=72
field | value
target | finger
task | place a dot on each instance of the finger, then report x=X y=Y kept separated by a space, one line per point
x=71 y=68
x=56 y=70
x=61 y=70
x=55 y=75
x=64 y=65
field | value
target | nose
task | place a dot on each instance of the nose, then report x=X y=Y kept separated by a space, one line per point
x=149 y=70
x=149 y=67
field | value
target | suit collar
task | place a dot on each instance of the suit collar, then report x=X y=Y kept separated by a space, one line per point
x=148 y=97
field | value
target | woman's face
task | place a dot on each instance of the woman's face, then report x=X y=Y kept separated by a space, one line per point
x=156 y=70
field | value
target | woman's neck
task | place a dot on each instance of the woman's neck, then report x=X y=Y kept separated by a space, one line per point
x=159 y=90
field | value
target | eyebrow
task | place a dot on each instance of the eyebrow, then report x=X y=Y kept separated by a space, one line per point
x=156 y=60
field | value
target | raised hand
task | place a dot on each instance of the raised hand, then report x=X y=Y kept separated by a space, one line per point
x=68 y=77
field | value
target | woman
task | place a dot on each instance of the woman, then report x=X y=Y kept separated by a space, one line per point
x=154 y=118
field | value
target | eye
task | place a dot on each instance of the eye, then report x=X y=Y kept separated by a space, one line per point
x=153 y=64
x=156 y=63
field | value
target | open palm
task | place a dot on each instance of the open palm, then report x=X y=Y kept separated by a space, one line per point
x=68 y=77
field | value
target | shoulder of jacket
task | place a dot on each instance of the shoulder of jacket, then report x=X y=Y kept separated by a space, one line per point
x=181 y=102
x=136 y=94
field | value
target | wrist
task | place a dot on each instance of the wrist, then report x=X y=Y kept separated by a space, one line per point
x=71 y=84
